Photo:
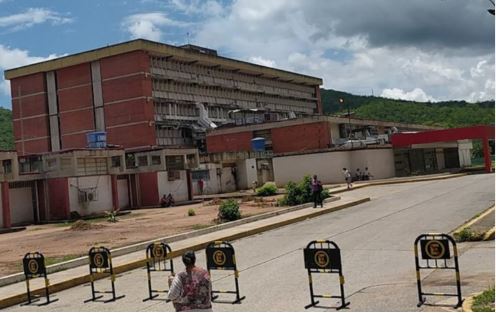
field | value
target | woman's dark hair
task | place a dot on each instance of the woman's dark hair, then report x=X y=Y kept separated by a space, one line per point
x=189 y=258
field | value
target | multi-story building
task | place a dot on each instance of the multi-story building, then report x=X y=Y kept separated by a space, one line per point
x=146 y=94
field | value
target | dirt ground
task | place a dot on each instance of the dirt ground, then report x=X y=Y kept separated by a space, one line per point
x=58 y=242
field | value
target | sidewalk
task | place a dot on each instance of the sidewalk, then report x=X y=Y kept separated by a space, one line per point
x=395 y=180
x=15 y=293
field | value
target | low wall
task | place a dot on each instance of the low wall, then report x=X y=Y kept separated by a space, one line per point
x=328 y=165
x=178 y=188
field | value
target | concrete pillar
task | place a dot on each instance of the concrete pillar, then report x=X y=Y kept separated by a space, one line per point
x=487 y=154
x=190 y=184
x=115 y=193
x=6 y=205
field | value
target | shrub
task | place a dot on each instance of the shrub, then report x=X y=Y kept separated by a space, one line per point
x=299 y=193
x=484 y=302
x=191 y=212
x=467 y=234
x=112 y=216
x=229 y=210
x=268 y=189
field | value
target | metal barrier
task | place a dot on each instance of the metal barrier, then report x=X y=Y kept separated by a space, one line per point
x=220 y=256
x=324 y=256
x=101 y=262
x=34 y=266
x=435 y=248
x=156 y=261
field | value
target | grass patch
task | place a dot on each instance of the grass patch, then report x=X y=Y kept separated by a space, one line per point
x=59 y=259
x=484 y=302
x=200 y=226
x=467 y=234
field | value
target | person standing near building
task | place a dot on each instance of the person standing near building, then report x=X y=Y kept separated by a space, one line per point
x=347 y=177
x=316 y=191
x=191 y=289
x=358 y=175
x=366 y=174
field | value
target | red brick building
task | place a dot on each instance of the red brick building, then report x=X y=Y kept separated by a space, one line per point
x=145 y=94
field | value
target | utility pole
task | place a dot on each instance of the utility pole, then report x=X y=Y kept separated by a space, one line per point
x=349 y=116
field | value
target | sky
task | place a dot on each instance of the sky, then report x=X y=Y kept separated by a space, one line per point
x=423 y=50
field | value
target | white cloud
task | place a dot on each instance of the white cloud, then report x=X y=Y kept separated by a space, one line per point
x=31 y=17
x=416 y=94
x=209 y=7
x=300 y=36
x=261 y=61
x=11 y=58
x=148 y=25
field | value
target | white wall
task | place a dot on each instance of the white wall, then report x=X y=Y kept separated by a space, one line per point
x=21 y=205
x=216 y=184
x=104 y=194
x=178 y=188
x=123 y=192
x=464 y=152
x=329 y=166
x=379 y=161
x=440 y=158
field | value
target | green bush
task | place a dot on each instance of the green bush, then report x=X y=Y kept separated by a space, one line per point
x=191 y=212
x=229 y=210
x=467 y=234
x=299 y=193
x=268 y=189
x=484 y=302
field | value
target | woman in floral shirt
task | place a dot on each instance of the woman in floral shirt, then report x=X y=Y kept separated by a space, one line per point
x=191 y=290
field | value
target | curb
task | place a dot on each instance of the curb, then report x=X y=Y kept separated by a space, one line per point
x=467 y=303
x=472 y=221
x=18 y=277
x=378 y=183
x=19 y=298
x=488 y=235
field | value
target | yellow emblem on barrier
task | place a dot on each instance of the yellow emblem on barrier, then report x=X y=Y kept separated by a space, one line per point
x=321 y=259
x=98 y=260
x=33 y=266
x=219 y=257
x=434 y=249
x=158 y=251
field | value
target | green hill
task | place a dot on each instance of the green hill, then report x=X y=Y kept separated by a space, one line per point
x=444 y=114
x=6 y=137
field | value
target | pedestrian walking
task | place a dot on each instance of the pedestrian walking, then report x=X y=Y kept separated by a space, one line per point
x=347 y=177
x=316 y=192
x=191 y=289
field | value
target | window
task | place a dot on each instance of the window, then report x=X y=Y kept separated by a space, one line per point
x=116 y=161
x=51 y=163
x=7 y=166
x=174 y=162
x=156 y=160
x=173 y=175
x=201 y=174
x=143 y=160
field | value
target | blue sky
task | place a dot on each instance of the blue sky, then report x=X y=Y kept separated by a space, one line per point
x=424 y=50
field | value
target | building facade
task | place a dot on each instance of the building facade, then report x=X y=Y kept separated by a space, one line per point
x=146 y=94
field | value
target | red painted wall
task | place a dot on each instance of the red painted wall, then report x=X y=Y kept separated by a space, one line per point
x=58 y=194
x=126 y=88
x=148 y=184
x=230 y=142
x=452 y=134
x=301 y=137
x=32 y=105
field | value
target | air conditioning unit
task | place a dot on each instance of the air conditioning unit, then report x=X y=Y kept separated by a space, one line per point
x=87 y=195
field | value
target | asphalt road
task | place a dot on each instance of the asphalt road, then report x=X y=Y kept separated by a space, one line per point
x=376 y=239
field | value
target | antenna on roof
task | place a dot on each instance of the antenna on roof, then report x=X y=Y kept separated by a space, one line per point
x=187 y=36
